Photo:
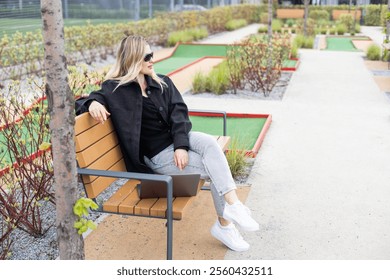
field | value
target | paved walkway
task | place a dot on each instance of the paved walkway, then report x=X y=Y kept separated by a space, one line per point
x=320 y=184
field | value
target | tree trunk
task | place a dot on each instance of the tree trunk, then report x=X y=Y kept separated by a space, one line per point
x=270 y=15
x=388 y=21
x=305 y=17
x=354 y=17
x=61 y=108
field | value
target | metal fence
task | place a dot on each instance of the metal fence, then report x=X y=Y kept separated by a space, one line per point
x=95 y=9
x=24 y=15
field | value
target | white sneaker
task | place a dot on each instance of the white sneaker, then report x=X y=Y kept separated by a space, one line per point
x=239 y=214
x=229 y=236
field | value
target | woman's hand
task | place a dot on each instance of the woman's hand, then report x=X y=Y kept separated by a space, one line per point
x=181 y=158
x=98 y=112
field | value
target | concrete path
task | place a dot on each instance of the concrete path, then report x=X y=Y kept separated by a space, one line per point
x=375 y=33
x=321 y=182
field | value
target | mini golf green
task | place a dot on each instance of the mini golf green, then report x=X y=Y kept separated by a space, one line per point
x=340 y=44
x=186 y=54
x=245 y=130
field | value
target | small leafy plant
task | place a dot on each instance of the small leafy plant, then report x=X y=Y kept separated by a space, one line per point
x=81 y=209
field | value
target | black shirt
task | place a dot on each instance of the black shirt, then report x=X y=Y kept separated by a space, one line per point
x=155 y=132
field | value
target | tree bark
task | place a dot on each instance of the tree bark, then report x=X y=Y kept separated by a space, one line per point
x=270 y=15
x=305 y=17
x=388 y=21
x=62 y=119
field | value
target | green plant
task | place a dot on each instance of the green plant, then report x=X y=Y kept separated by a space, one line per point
x=236 y=157
x=218 y=79
x=187 y=35
x=386 y=55
x=263 y=29
x=346 y=20
x=319 y=15
x=81 y=209
x=373 y=52
x=294 y=51
x=290 y=22
x=341 y=29
x=235 y=24
x=277 y=25
x=199 y=83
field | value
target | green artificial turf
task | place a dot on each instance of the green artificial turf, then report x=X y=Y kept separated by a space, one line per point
x=340 y=44
x=186 y=54
x=289 y=63
x=245 y=130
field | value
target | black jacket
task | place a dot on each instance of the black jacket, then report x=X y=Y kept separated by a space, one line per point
x=125 y=107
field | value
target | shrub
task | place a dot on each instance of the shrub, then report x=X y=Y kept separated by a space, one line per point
x=218 y=80
x=374 y=15
x=324 y=31
x=236 y=157
x=199 y=83
x=264 y=18
x=357 y=28
x=235 y=24
x=187 y=35
x=373 y=52
x=277 y=25
x=198 y=33
x=294 y=51
x=319 y=14
x=303 y=42
x=263 y=29
x=290 y=22
x=386 y=55
x=299 y=40
x=341 y=29
x=346 y=20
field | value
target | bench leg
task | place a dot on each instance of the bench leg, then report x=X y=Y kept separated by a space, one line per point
x=169 y=238
x=169 y=225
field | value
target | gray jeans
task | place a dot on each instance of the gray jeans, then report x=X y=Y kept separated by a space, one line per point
x=205 y=158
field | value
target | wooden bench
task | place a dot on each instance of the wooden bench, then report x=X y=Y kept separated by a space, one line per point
x=100 y=164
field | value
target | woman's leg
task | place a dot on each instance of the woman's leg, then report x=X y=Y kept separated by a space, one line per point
x=164 y=163
x=207 y=159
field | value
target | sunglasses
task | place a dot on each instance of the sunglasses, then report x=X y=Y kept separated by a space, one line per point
x=148 y=57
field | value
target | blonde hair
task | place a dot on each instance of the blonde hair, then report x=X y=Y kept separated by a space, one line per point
x=129 y=61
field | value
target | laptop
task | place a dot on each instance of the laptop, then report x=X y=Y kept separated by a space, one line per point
x=184 y=185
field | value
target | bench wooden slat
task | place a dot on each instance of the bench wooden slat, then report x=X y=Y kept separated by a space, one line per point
x=83 y=123
x=109 y=161
x=98 y=184
x=144 y=205
x=92 y=153
x=179 y=205
x=112 y=204
x=92 y=135
x=159 y=208
x=127 y=205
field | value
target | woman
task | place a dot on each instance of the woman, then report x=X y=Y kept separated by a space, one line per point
x=154 y=131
